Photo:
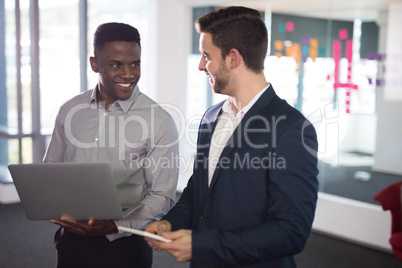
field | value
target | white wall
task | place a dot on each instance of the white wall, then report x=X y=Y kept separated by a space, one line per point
x=171 y=22
x=352 y=220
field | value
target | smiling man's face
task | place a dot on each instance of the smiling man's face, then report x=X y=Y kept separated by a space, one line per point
x=213 y=65
x=118 y=65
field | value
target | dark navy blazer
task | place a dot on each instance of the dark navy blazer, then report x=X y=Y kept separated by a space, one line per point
x=259 y=208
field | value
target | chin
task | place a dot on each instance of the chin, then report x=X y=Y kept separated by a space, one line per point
x=126 y=93
x=217 y=90
x=125 y=96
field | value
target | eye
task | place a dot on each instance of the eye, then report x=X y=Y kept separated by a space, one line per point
x=135 y=64
x=114 y=66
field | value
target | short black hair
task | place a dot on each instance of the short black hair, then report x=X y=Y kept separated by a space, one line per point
x=240 y=28
x=115 y=31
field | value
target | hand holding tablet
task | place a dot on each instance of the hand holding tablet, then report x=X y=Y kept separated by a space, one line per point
x=143 y=233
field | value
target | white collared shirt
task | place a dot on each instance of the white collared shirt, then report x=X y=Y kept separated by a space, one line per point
x=227 y=123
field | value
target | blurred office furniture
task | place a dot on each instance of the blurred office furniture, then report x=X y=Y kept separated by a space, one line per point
x=390 y=199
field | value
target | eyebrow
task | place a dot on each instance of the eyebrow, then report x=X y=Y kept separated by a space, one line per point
x=204 y=53
x=119 y=61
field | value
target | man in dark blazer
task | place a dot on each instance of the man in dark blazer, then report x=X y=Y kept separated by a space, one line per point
x=251 y=199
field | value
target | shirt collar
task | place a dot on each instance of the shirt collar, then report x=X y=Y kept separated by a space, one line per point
x=227 y=106
x=123 y=104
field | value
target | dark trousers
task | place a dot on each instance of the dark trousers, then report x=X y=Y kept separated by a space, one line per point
x=75 y=251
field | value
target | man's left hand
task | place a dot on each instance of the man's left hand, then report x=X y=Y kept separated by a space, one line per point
x=87 y=228
x=180 y=246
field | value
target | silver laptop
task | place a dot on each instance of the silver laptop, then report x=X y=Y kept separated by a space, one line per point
x=79 y=190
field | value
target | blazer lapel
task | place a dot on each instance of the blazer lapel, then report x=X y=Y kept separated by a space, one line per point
x=238 y=135
x=207 y=127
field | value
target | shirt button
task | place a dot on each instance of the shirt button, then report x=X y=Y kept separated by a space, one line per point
x=204 y=216
x=96 y=139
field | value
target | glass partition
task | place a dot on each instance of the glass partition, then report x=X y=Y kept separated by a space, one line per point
x=59 y=57
x=331 y=71
x=322 y=68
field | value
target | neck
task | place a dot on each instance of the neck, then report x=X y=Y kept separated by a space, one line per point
x=247 y=89
x=101 y=101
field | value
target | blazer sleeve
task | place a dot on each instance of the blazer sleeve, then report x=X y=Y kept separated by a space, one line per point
x=292 y=195
x=181 y=215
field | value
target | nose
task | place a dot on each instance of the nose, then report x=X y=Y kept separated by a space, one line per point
x=201 y=65
x=126 y=72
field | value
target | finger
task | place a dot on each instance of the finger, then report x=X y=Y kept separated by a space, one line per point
x=156 y=248
x=64 y=224
x=154 y=244
x=150 y=228
x=163 y=228
x=69 y=220
x=173 y=235
x=72 y=223
x=72 y=229
x=153 y=228
x=75 y=226
x=178 y=254
x=56 y=222
x=151 y=242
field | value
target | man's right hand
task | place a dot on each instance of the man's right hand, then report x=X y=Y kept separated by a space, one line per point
x=158 y=228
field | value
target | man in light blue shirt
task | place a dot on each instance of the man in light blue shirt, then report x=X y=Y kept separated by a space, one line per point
x=116 y=123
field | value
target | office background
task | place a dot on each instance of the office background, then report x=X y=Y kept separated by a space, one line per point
x=337 y=61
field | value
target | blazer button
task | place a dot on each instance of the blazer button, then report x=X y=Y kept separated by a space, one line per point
x=204 y=216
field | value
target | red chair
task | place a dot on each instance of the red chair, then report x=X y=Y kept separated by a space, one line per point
x=390 y=198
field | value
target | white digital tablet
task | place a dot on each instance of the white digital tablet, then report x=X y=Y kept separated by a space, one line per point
x=143 y=233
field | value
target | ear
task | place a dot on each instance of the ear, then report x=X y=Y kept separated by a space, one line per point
x=94 y=65
x=235 y=58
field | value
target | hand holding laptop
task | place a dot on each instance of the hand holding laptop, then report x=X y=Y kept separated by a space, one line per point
x=86 y=228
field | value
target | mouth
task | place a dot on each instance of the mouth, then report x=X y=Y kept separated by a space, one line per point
x=124 y=84
x=209 y=77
